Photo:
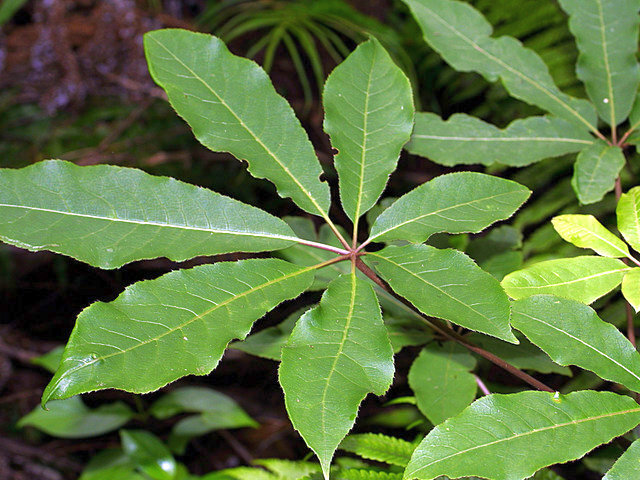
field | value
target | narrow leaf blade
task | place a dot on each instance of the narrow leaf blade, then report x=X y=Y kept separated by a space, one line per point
x=585 y=231
x=188 y=316
x=461 y=35
x=337 y=354
x=108 y=216
x=628 y=215
x=502 y=427
x=606 y=32
x=446 y=284
x=369 y=116
x=627 y=466
x=596 y=170
x=584 y=279
x=464 y=139
x=216 y=91
x=453 y=203
x=441 y=380
x=379 y=447
x=571 y=333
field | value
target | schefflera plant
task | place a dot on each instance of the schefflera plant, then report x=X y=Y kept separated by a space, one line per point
x=606 y=33
x=160 y=330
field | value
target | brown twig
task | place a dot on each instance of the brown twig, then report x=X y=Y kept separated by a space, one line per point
x=442 y=328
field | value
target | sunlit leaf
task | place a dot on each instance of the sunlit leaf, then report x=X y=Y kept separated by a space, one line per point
x=585 y=231
x=628 y=213
x=631 y=288
x=579 y=278
x=627 y=466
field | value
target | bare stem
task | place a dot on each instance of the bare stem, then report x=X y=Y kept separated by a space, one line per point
x=627 y=134
x=321 y=246
x=447 y=332
x=337 y=233
x=482 y=386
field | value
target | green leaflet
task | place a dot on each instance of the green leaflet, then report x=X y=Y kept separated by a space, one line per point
x=549 y=428
x=461 y=35
x=464 y=139
x=149 y=453
x=631 y=288
x=71 y=418
x=606 y=32
x=108 y=216
x=379 y=447
x=188 y=316
x=356 y=474
x=288 y=469
x=627 y=466
x=571 y=333
x=212 y=89
x=111 y=464
x=337 y=354
x=369 y=115
x=446 y=284
x=579 y=278
x=441 y=380
x=628 y=214
x=596 y=170
x=453 y=203
x=585 y=231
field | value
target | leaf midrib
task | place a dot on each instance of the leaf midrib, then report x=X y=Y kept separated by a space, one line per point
x=537 y=430
x=581 y=279
x=239 y=119
x=502 y=139
x=507 y=67
x=608 y=242
x=154 y=224
x=182 y=325
x=436 y=212
x=584 y=343
x=607 y=66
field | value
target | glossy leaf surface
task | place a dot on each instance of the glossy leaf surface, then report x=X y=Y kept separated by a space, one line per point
x=585 y=231
x=595 y=171
x=461 y=35
x=516 y=431
x=108 y=216
x=111 y=464
x=446 y=284
x=149 y=454
x=579 y=278
x=216 y=92
x=464 y=139
x=441 y=380
x=606 y=32
x=453 y=203
x=631 y=288
x=71 y=418
x=571 y=333
x=627 y=466
x=628 y=214
x=337 y=354
x=188 y=316
x=368 y=108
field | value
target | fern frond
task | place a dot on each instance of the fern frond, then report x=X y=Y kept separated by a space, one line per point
x=380 y=448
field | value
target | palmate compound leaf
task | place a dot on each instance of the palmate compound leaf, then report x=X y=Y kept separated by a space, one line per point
x=461 y=35
x=231 y=105
x=159 y=330
x=628 y=215
x=571 y=333
x=453 y=203
x=446 y=284
x=509 y=437
x=585 y=231
x=584 y=279
x=337 y=354
x=442 y=381
x=108 y=216
x=596 y=170
x=606 y=32
x=369 y=115
x=627 y=466
x=463 y=139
